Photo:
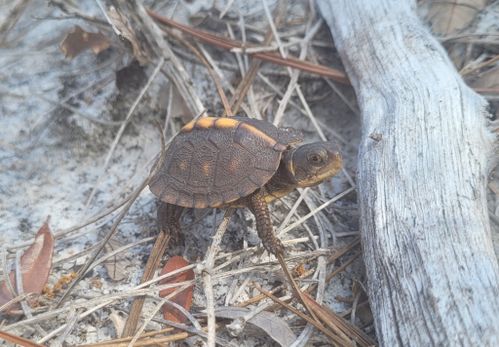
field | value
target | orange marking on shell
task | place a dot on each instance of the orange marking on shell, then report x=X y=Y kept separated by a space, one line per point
x=188 y=127
x=182 y=165
x=206 y=169
x=205 y=123
x=226 y=123
x=232 y=166
x=260 y=134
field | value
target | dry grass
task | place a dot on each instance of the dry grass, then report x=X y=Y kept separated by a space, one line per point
x=318 y=226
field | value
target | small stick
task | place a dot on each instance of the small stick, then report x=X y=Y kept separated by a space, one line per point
x=208 y=285
x=245 y=84
x=158 y=307
x=216 y=79
x=114 y=227
x=159 y=248
x=271 y=57
x=296 y=289
x=117 y=138
x=316 y=324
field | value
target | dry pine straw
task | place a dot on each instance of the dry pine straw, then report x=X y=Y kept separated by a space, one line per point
x=79 y=308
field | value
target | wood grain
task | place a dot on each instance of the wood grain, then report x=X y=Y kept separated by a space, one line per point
x=425 y=151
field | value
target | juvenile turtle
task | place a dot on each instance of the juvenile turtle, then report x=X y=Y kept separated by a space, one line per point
x=238 y=162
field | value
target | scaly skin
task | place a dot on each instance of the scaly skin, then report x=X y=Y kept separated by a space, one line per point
x=258 y=205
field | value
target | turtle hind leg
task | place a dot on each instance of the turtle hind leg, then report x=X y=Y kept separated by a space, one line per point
x=257 y=205
x=169 y=229
x=168 y=217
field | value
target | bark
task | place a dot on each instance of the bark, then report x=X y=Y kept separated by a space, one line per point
x=433 y=278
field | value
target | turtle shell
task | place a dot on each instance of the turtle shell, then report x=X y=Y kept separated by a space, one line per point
x=214 y=161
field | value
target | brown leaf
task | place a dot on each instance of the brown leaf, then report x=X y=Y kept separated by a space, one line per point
x=184 y=298
x=275 y=327
x=79 y=40
x=448 y=17
x=116 y=266
x=35 y=266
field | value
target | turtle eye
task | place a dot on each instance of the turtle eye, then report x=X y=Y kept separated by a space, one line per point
x=315 y=159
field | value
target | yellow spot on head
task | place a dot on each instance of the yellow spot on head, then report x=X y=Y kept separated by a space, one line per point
x=182 y=165
x=205 y=123
x=226 y=123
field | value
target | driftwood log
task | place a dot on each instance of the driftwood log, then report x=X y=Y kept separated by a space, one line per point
x=433 y=278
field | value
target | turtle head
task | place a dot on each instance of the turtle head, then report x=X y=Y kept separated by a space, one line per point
x=312 y=163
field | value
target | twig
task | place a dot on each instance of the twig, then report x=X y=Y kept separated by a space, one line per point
x=316 y=324
x=209 y=68
x=158 y=249
x=61 y=233
x=6 y=273
x=467 y=69
x=122 y=128
x=11 y=19
x=228 y=86
x=311 y=213
x=15 y=300
x=156 y=310
x=343 y=266
x=114 y=227
x=71 y=322
x=246 y=83
x=207 y=280
x=77 y=111
x=62 y=327
x=271 y=57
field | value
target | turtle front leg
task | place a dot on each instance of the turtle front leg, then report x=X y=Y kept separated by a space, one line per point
x=257 y=205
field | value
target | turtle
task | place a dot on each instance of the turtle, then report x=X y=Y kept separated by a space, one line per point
x=238 y=162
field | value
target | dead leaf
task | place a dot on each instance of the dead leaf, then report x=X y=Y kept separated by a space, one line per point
x=122 y=28
x=118 y=321
x=116 y=266
x=21 y=341
x=274 y=326
x=184 y=298
x=448 y=17
x=79 y=40
x=36 y=263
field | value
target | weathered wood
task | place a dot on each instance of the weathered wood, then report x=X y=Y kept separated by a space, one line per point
x=433 y=278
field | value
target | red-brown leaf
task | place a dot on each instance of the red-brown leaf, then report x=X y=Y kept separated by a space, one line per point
x=79 y=40
x=184 y=298
x=35 y=266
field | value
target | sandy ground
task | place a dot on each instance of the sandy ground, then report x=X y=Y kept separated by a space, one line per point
x=59 y=118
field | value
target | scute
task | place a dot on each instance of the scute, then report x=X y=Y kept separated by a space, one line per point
x=210 y=166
